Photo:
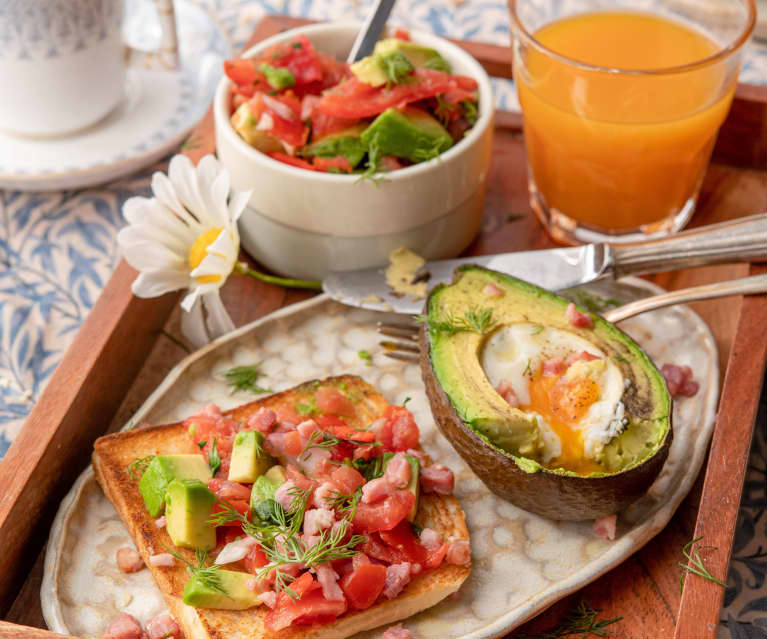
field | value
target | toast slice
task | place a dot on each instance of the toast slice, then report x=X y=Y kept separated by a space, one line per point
x=113 y=453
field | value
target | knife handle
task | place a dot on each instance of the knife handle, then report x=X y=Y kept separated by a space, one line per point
x=740 y=240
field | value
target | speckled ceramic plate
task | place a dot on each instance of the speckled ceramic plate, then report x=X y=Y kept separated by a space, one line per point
x=83 y=589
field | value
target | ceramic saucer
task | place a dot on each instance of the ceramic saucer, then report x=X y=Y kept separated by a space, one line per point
x=159 y=109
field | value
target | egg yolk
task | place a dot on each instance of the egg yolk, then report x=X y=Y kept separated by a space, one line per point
x=562 y=403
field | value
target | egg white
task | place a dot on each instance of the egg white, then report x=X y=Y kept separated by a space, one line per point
x=514 y=351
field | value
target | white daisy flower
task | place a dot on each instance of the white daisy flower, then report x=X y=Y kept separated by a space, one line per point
x=185 y=237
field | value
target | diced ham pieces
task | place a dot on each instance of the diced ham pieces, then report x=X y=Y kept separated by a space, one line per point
x=128 y=560
x=506 y=390
x=491 y=290
x=283 y=496
x=235 y=551
x=679 y=380
x=605 y=526
x=229 y=490
x=275 y=443
x=123 y=626
x=397 y=577
x=211 y=410
x=582 y=356
x=418 y=454
x=458 y=553
x=430 y=539
x=328 y=579
x=376 y=426
x=376 y=490
x=268 y=598
x=555 y=366
x=437 y=479
x=396 y=632
x=162 y=627
x=263 y=421
x=578 y=319
x=398 y=471
x=307 y=428
x=163 y=560
x=323 y=494
x=318 y=519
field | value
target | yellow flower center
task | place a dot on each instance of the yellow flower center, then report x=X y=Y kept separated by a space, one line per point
x=198 y=252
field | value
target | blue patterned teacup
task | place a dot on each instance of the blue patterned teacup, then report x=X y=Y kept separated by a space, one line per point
x=62 y=62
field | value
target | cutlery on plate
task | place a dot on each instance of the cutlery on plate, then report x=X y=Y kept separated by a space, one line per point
x=371 y=30
x=408 y=349
x=741 y=240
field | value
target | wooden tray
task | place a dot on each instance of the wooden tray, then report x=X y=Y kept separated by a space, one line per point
x=120 y=355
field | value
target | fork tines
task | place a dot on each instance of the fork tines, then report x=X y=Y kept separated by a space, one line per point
x=402 y=350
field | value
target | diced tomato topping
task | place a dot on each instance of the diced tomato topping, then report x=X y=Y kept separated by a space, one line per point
x=346 y=479
x=399 y=431
x=323 y=125
x=298 y=478
x=338 y=427
x=385 y=514
x=299 y=57
x=375 y=547
x=286 y=414
x=243 y=72
x=285 y=112
x=255 y=559
x=310 y=607
x=465 y=82
x=355 y=99
x=331 y=400
x=389 y=163
x=342 y=451
x=289 y=159
x=206 y=428
x=230 y=490
x=363 y=585
x=435 y=557
x=402 y=34
x=401 y=538
x=333 y=165
x=293 y=445
x=239 y=505
x=327 y=422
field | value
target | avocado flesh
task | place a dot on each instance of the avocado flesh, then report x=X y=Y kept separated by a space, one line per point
x=409 y=133
x=265 y=486
x=372 y=69
x=231 y=593
x=414 y=485
x=344 y=143
x=189 y=506
x=162 y=470
x=244 y=122
x=456 y=365
x=249 y=458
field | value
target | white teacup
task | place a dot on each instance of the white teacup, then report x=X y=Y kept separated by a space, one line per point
x=63 y=62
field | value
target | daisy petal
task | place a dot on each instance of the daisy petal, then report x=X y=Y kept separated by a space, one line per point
x=214 y=265
x=149 y=255
x=153 y=234
x=218 y=321
x=193 y=326
x=237 y=203
x=155 y=283
x=184 y=178
x=135 y=209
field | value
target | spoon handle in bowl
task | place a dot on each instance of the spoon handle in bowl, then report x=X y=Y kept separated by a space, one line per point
x=371 y=30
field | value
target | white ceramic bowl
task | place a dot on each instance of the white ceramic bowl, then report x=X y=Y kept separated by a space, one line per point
x=305 y=223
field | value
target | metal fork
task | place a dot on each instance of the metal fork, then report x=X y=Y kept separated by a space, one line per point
x=405 y=346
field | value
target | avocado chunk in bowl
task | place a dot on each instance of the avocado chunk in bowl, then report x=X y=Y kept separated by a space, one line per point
x=570 y=422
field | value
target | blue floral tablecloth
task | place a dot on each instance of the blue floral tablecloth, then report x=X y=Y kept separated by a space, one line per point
x=57 y=251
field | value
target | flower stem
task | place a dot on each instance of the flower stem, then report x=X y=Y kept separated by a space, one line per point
x=243 y=268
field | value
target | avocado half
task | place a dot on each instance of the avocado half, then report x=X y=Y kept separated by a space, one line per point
x=502 y=443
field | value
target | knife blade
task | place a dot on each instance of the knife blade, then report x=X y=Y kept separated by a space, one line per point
x=739 y=240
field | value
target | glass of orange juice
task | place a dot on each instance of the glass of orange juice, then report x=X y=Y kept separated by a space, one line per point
x=621 y=102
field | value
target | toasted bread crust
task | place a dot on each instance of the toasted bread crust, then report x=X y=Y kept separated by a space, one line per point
x=113 y=453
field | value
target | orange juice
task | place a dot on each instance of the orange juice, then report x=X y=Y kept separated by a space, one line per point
x=618 y=150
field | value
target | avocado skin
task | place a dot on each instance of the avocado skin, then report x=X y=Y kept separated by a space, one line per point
x=546 y=493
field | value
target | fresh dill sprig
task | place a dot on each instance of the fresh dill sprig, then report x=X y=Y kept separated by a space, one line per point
x=469 y=111
x=344 y=502
x=475 y=320
x=214 y=459
x=365 y=355
x=396 y=67
x=208 y=576
x=137 y=467
x=695 y=565
x=309 y=409
x=370 y=468
x=581 y=622
x=318 y=439
x=528 y=370
x=245 y=378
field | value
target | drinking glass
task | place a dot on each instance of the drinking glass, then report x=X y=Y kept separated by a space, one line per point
x=622 y=101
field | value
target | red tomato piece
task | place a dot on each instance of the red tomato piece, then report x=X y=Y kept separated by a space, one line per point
x=239 y=505
x=399 y=431
x=331 y=400
x=255 y=559
x=227 y=534
x=367 y=452
x=298 y=478
x=435 y=557
x=222 y=429
x=375 y=547
x=289 y=159
x=355 y=99
x=389 y=163
x=310 y=607
x=401 y=538
x=242 y=71
x=346 y=479
x=286 y=414
x=285 y=112
x=293 y=445
x=328 y=422
x=230 y=490
x=343 y=450
x=299 y=57
x=323 y=125
x=465 y=82
x=363 y=585
x=402 y=34
x=383 y=515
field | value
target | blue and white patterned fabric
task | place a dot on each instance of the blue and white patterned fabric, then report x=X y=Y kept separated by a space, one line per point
x=58 y=250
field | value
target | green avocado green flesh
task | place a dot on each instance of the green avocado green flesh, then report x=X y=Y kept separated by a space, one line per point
x=455 y=361
x=162 y=470
x=249 y=458
x=346 y=143
x=224 y=589
x=409 y=133
x=393 y=59
x=189 y=507
x=414 y=485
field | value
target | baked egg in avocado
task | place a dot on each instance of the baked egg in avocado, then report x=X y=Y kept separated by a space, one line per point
x=567 y=419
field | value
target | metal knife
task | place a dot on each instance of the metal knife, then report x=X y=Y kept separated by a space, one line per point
x=741 y=240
